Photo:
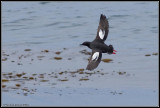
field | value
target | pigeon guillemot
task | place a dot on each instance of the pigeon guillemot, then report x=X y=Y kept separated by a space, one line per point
x=97 y=45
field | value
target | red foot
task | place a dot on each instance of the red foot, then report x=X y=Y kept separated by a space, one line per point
x=114 y=52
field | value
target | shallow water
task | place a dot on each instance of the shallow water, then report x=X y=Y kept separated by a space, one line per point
x=62 y=26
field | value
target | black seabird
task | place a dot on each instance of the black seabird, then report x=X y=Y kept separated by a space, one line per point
x=97 y=45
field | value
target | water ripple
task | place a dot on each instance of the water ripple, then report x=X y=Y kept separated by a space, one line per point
x=20 y=20
x=55 y=23
x=44 y=2
x=118 y=16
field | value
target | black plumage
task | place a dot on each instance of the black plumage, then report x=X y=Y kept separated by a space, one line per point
x=97 y=45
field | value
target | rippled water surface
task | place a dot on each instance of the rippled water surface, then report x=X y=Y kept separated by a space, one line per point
x=35 y=33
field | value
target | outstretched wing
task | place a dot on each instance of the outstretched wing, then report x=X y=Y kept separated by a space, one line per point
x=103 y=28
x=94 y=60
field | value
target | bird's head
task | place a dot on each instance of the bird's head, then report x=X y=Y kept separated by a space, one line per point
x=86 y=43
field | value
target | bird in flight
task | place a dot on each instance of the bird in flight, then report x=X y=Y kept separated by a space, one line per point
x=97 y=45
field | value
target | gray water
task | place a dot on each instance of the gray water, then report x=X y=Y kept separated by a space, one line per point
x=66 y=24
x=133 y=32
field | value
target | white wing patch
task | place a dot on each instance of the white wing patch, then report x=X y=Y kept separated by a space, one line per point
x=95 y=56
x=101 y=34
